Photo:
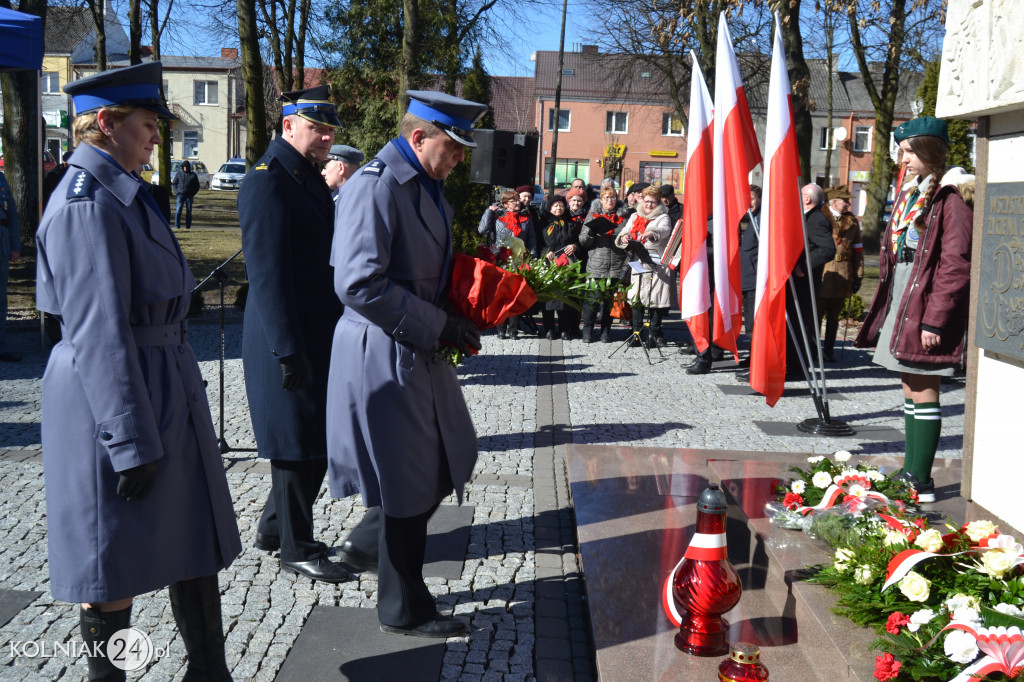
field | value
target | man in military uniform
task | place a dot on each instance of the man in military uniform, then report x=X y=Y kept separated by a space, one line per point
x=286 y=214
x=342 y=163
x=842 y=275
x=400 y=430
x=10 y=252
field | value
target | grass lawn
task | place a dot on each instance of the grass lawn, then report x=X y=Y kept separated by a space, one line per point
x=212 y=209
x=204 y=249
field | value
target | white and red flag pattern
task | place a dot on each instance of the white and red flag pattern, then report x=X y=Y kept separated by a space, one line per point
x=694 y=291
x=781 y=238
x=736 y=154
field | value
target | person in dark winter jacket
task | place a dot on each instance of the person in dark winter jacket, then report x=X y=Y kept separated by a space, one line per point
x=918 y=319
x=561 y=244
x=509 y=220
x=668 y=199
x=603 y=260
x=186 y=185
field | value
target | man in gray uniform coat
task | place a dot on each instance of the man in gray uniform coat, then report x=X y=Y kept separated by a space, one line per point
x=400 y=430
x=285 y=211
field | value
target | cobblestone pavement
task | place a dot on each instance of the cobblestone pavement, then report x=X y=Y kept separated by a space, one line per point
x=520 y=588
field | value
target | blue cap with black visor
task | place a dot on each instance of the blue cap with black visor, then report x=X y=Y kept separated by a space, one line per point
x=136 y=86
x=454 y=115
x=312 y=104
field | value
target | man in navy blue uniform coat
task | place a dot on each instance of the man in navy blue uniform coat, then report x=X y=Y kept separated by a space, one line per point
x=400 y=431
x=286 y=214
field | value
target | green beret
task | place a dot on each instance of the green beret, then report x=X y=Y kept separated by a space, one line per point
x=923 y=125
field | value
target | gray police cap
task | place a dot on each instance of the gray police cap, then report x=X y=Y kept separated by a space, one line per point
x=343 y=152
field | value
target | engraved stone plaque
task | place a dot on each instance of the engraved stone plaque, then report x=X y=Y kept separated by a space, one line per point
x=1000 y=314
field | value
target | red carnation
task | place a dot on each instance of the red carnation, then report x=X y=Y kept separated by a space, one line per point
x=895 y=622
x=792 y=501
x=886 y=667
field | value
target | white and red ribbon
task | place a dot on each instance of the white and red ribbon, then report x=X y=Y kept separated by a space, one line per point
x=901 y=564
x=1003 y=649
x=703 y=547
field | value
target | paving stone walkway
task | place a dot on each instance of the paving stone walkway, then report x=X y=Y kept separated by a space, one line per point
x=521 y=589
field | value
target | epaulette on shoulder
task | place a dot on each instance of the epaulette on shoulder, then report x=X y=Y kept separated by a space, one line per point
x=81 y=186
x=375 y=167
x=264 y=163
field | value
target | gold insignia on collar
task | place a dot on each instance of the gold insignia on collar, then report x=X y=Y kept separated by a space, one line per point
x=261 y=166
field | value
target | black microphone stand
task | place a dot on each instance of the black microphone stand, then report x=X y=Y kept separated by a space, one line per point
x=218 y=274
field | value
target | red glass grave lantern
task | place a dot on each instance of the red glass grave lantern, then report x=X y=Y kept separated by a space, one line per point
x=743 y=665
x=705 y=584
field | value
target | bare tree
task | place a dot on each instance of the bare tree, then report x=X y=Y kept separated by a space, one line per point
x=21 y=142
x=252 y=75
x=157 y=26
x=903 y=35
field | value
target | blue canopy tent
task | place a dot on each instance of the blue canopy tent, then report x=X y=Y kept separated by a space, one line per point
x=21 y=49
x=21 y=41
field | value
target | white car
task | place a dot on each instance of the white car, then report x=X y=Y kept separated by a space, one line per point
x=198 y=167
x=230 y=175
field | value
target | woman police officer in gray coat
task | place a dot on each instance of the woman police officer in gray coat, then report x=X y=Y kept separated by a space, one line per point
x=135 y=487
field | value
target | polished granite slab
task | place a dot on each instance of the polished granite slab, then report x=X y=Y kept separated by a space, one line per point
x=635 y=513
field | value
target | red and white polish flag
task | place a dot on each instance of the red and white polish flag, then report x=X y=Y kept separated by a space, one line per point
x=736 y=154
x=694 y=291
x=781 y=238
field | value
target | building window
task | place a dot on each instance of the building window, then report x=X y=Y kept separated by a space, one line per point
x=190 y=144
x=661 y=173
x=563 y=119
x=616 y=122
x=205 y=92
x=671 y=124
x=567 y=170
x=862 y=139
x=51 y=83
x=826 y=139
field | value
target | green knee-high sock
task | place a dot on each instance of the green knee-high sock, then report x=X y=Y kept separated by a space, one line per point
x=927 y=426
x=909 y=426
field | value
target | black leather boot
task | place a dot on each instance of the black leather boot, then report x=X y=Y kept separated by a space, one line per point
x=196 y=608
x=96 y=628
x=831 y=330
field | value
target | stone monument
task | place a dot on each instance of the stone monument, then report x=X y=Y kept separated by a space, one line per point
x=982 y=77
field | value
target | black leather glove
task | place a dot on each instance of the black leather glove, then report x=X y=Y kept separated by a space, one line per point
x=137 y=483
x=855 y=287
x=461 y=333
x=295 y=371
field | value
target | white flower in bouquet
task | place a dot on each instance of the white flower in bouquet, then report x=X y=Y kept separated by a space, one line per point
x=996 y=562
x=919 y=618
x=961 y=600
x=843 y=456
x=798 y=486
x=874 y=475
x=967 y=615
x=821 y=480
x=915 y=587
x=961 y=647
x=842 y=559
x=857 y=490
x=1009 y=610
x=893 y=537
x=929 y=541
x=814 y=459
x=978 y=530
x=863 y=574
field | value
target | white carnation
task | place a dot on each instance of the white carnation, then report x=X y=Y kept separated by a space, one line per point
x=965 y=614
x=874 y=475
x=961 y=647
x=821 y=480
x=843 y=456
x=799 y=486
x=961 y=600
x=919 y=618
x=893 y=537
x=814 y=459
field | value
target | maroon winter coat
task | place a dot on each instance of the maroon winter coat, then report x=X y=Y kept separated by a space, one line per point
x=936 y=297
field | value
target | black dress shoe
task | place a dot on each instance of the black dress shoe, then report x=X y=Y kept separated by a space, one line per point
x=743 y=376
x=439 y=628
x=699 y=367
x=355 y=557
x=829 y=356
x=319 y=568
x=551 y=335
x=267 y=543
x=606 y=336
